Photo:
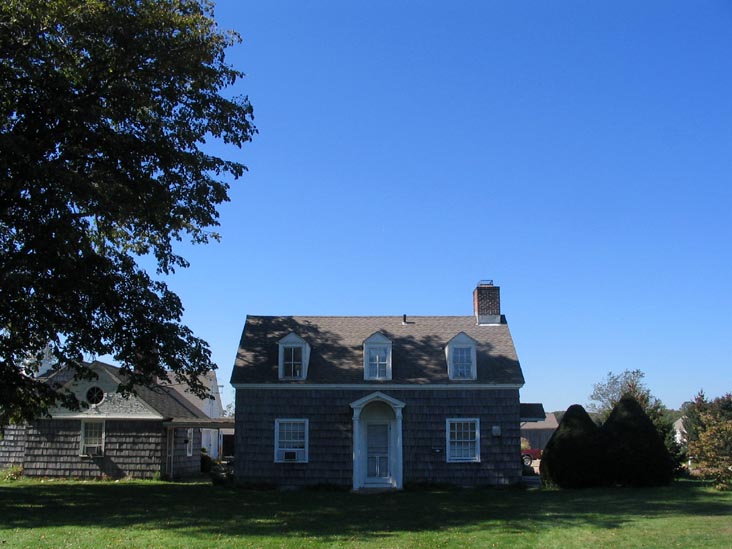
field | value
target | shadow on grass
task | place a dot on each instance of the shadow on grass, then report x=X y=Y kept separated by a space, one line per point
x=202 y=510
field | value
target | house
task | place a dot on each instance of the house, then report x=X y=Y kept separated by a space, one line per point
x=537 y=431
x=379 y=401
x=156 y=432
x=211 y=439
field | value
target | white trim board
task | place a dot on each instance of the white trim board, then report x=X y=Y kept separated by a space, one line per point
x=377 y=386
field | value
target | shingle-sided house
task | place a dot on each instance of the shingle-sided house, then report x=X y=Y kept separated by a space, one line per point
x=211 y=439
x=155 y=432
x=379 y=401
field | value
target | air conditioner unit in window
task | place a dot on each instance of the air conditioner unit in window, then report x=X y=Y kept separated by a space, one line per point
x=92 y=451
x=290 y=455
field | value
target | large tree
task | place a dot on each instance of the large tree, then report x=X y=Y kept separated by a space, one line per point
x=629 y=383
x=105 y=109
x=708 y=427
x=606 y=394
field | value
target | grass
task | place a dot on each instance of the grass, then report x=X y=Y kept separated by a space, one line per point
x=158 y=514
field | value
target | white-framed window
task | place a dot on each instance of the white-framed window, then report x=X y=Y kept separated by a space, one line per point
x=92 y=438
x=377 y=357
x=292 y=361
x=294 y=355
x=462 y=440
x=291 y=440
x=460 y=353
x=462 y=363
x=378 y=362
x=189 y=443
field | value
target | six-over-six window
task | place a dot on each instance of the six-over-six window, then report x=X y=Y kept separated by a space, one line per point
x=291 y=440
x=92 y=438
x=463 y=439
x=462 y=363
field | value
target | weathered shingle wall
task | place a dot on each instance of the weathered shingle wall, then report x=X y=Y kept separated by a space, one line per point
x=183 y=464
x=12 y=446
x=423 y=431
x=131 y=448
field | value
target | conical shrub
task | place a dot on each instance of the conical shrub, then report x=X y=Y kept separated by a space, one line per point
x=573 y=457
x=636 y=455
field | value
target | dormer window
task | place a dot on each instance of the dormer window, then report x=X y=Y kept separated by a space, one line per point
x=462 y=363
x=461 y=358
x=377 y=357
x=294 y=355
x=292 y=361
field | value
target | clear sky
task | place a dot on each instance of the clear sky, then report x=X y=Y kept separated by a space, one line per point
x=577 y=153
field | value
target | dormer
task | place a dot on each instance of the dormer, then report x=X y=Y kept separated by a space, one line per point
x=460 y=353
x=294 y=356
x=377 y=357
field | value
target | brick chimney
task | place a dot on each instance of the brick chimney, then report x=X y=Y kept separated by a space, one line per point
x=487 y=303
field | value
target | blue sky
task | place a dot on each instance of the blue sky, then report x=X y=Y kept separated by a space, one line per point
x=577 y=153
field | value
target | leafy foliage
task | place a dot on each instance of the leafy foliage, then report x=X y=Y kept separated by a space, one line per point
x=709 y=430
x=12 y=473
x=629 y=383
x=104 y=108
x=606 y=394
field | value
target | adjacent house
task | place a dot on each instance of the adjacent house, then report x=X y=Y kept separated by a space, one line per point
x=379 y=401
x=538 y=431
x=211 y=439
x=156 y=432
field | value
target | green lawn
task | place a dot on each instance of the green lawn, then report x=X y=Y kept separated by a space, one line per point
x=157 y=514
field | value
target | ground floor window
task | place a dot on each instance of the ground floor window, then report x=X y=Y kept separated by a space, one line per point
x=463 y=439
x=92 y=438
x=291 y=440
x=189 y=443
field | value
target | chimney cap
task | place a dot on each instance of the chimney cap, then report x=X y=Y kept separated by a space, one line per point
x=487 y=282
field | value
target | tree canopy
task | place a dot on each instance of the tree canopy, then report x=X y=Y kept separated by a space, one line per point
x=106 y=106
x=708 y=425
x=606 y=394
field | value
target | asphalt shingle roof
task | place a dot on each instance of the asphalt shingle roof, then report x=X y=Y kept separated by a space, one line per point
x=163 y=399
x=418 y=348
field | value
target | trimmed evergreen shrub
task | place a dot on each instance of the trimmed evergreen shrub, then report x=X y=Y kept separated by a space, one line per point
x=636 y=455
x=206 y=463
x=574 y=456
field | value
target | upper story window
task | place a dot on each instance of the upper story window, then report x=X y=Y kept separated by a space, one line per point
x=189 y=443
x=294 y=355
x=292 y=361
x=377 y=357
x=94 y=395
x=461 y=357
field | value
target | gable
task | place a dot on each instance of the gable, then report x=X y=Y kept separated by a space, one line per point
x=113 y=404
x=158 y=402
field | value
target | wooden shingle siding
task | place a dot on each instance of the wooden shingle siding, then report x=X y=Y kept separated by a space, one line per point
x=12 y=446
x=131 y=448
x=423 y=434
x=184 y=465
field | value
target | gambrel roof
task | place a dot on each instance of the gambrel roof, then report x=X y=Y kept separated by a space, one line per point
x=418 y=348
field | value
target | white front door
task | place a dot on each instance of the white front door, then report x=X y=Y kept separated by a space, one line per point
x=377 y=453
x=377 y=442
